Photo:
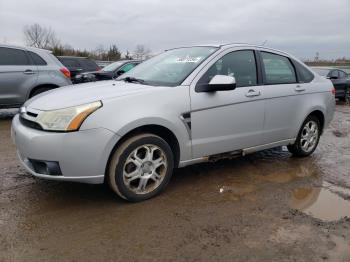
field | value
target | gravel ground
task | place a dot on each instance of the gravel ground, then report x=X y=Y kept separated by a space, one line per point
x=263 y=207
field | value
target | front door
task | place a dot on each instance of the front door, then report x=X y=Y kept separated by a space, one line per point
x=225 y=121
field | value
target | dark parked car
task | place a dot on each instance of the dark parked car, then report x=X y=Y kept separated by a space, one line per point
x=340 y=80
x=110 y=71
x=78 y=65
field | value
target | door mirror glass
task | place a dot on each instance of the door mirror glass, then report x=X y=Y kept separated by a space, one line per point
x=218 y=83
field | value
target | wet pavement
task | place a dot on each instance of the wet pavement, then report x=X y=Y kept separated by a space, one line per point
x=266 y=206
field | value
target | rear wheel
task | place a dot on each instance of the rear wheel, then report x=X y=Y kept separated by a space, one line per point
x=308 y=138
x=346 y=97
x=141 y=167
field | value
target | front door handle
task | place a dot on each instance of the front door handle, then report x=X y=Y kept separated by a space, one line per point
x=29 y=72
x=252 y=93
x=299 y=88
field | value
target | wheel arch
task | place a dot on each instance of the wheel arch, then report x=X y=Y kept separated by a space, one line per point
x=319 y=113
x=155 y=129
x=321 y=117
x=51 y=86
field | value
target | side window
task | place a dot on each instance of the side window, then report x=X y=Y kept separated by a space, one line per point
x=304 y=74
x=278 y=69
x=127 y=67
x=334 y=73
x=37 y=60
x=239 y=64
x=342 y=74
x=12 y=56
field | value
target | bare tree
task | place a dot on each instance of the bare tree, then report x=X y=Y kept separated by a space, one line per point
x=99 y=51
x=41 y=37
x=141 y=52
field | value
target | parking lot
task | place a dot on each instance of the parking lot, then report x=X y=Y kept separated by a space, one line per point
x=263 y=207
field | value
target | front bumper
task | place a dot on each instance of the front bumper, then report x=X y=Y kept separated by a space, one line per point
x=82 y=155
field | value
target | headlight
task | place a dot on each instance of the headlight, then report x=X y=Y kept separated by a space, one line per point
x=67 y=119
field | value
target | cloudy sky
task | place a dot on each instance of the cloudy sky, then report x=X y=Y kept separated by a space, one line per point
x=301 y=27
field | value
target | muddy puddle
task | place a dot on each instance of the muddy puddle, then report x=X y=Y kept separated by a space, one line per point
x=325 y=203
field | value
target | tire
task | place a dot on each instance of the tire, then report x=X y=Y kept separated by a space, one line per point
x=300 y=148
x=346 y=97
x=140 y=158
x=40 y=90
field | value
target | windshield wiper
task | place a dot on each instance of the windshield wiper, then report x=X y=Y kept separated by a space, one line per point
x=131 y=79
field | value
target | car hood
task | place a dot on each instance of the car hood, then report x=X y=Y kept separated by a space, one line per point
x=74 y=95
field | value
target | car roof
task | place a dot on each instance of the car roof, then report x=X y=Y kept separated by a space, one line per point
x=323 y=67
x=127 y=60
x=29 y=48
x=229 y=45
x=74 y=57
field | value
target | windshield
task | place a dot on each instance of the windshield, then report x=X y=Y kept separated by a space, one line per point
x=112 y=67
x=321 y=71
x=171 y=67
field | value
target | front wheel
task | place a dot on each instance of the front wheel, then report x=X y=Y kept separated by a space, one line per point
x=141 y=167
x=308 y=138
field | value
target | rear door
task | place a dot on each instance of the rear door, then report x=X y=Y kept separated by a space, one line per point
x=285 y=97
x=17 y=75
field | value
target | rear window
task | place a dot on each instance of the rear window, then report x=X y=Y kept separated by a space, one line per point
x=89 y=65
x=12 y=56
x=37 y=60
x=70 y=62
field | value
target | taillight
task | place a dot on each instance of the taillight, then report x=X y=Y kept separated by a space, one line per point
x=65 y=71
x=333 y=90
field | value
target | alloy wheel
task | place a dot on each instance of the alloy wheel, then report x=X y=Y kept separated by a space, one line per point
x=145 y=169
x=309 y=136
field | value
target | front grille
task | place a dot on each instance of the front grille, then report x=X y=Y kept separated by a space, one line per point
x=30 y=124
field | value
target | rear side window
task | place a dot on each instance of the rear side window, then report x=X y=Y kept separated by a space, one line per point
x=278 y=69
x=304 y=74
x=37 y=60
x=12 y=56
x=239 y=64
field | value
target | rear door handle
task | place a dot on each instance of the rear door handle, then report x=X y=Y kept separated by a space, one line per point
x=299 y=88
x=29 y=72
x=252 y=93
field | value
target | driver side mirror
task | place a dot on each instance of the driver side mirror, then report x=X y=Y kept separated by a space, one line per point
x=119 y=72
x=218 y=83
